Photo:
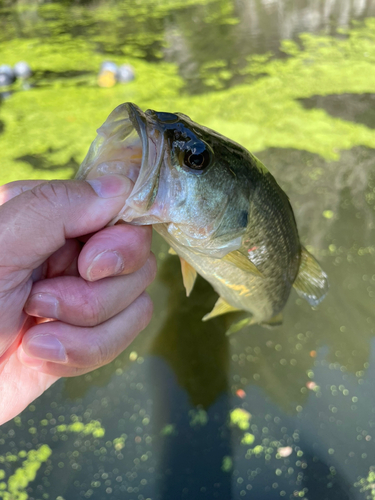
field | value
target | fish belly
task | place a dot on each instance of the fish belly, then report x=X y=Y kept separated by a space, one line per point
x=240 y=289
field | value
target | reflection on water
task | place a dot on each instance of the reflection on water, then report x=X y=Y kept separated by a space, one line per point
x=158 y=422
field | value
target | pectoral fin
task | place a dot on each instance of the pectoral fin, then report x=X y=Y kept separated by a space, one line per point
x=240 y=260
x=172 y=251
x=189 y=275
x=311 y=282
x=221 y=307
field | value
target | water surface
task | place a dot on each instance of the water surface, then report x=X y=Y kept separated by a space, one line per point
x=186 y=411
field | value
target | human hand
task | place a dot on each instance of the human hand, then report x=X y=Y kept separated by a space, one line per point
x=93 y=290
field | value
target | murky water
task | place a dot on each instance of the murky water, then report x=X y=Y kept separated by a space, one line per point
x=187 y=412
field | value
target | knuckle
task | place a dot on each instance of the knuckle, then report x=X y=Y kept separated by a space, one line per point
x=82 y=299
x=151 y=268
x=93 y=310
x=54 y=193
x=101 y=352
x=147 y=308
x=142 y=238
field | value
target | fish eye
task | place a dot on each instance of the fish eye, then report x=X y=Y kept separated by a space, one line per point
x=197 y=161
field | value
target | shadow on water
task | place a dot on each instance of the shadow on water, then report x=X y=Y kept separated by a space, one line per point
x=188 y=363
x=351 y=107
x=198 y=354
x=40 y=162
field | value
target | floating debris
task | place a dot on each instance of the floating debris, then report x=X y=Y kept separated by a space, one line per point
x=125 y=73
x=133 y=356
x=109 y=66
x=110 y=74
x=7 y=76
x=106 y=79
x=241 y=393
x=311 y=385
x=22 y=70
x=285 y=451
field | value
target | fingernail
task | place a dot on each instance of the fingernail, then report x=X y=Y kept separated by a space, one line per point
x=108 y=263
x=45 y=347
x=110 y=186
x=42 y=305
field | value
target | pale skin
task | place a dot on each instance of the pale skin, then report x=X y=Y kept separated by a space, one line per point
x=58 y=260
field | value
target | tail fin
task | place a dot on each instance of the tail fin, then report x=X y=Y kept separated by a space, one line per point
x=311 y=282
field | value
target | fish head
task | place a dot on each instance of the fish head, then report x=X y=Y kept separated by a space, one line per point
x=187 y=178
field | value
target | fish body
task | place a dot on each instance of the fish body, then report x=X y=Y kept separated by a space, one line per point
x=216 y=205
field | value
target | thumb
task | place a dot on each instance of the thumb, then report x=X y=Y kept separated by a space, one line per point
x=36 y=223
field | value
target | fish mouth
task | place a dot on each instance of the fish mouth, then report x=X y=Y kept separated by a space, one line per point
x=129 y=143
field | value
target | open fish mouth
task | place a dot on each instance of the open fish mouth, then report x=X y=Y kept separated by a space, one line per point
x=128 y=144
x=117 y=149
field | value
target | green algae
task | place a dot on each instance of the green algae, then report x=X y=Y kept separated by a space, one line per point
x=168 y=430
x=94 y=428
x=240 y=418
x=248 y=439
x=47 y=130
x=198 y=417
x=119 y=443
x=367 y=485
x=227 y=464
x=15 y=487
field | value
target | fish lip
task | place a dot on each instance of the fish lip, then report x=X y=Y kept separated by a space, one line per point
x=137 y=117
x=139 y=122
x=146 y=185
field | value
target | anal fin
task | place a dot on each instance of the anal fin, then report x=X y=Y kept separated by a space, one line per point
x=236 y=327
x=273 y=322
x=221 y=307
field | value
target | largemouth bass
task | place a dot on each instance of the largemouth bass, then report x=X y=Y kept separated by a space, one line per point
x=216 y=205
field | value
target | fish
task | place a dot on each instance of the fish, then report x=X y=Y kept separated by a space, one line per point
x=218 y=207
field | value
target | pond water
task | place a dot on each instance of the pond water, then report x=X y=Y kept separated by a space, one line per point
x=188 y=412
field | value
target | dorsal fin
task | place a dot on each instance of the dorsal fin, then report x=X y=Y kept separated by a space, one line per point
x=311 y=282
